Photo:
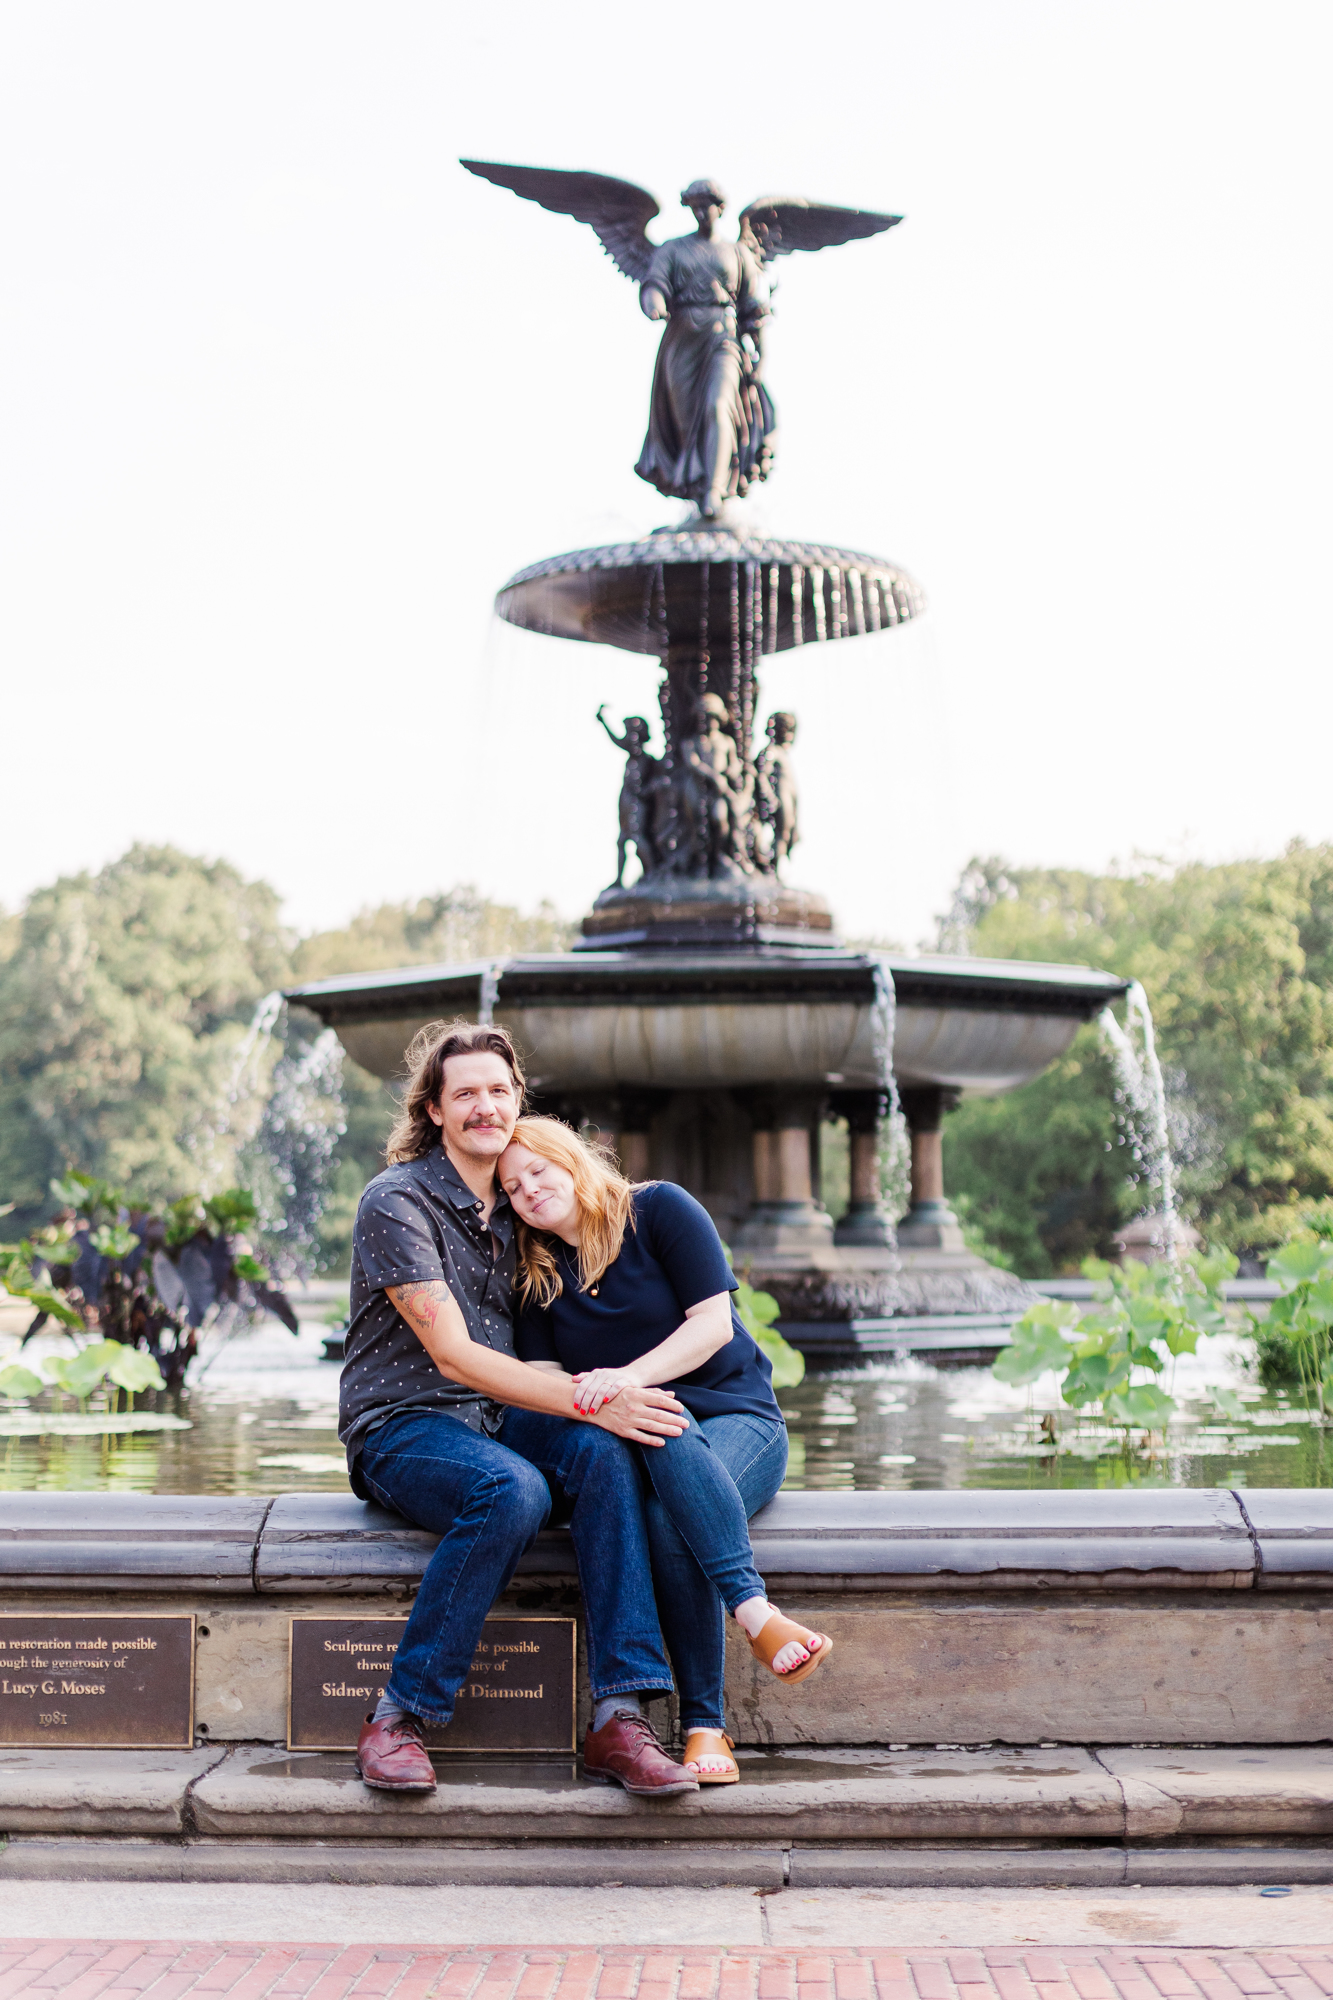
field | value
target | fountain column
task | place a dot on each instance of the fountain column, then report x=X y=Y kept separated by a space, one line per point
x=786 y=1215
x=866 y=1225
x=930 y=1223
x=634 y=1111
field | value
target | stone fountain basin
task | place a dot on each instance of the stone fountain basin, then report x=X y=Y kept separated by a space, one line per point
x=675 y=1020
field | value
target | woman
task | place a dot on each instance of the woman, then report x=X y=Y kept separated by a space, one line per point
x=621 y=1286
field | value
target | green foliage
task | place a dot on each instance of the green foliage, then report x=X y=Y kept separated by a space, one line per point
x=1297 y=1328
x=758 y=1313
x=122 y=997
x=125 y=1281
x=80 y=1374
x=1237 y=961
x=455 y=927
x=1142 y=1315
x=18 y=1381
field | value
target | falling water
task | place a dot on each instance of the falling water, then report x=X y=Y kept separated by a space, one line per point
x=489 y=992
x=275 y=1128
x=243 y=1083
x=289 y=1161
x=1133 y=1050
x=893 y=1144
x=250 y=1049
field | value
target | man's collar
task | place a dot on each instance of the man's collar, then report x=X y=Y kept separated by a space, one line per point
x=452 y=1184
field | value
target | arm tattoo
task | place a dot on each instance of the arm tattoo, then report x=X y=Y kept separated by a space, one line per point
x=421 y=1304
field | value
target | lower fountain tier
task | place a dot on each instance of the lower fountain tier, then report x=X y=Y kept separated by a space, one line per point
x=703 y=1021
x=718 y=1069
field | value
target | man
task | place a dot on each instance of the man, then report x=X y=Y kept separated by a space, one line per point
x=430 y=1369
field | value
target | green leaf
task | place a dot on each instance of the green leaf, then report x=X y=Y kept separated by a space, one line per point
x=1089 y=1380
x=113 y=1240
x=134 y=1370
x=184 y=1218
x=1298 y=1262
x=257 y=1274
x=16 y=1380
x=1318 y=1301
x=1183 y=1338
x=1037 y=1347
x=1215 y=1268
x=88 y=1196
x=231 y=1212
x=1228 y=1404
x=1146 y=1405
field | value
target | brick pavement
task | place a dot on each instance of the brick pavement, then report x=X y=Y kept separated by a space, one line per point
x=97 y=1970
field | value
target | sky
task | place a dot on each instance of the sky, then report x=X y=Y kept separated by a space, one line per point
x=285 y=397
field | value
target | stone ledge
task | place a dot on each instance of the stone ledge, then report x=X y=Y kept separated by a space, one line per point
x=100 y=1791
x=302 y=1544
x=768 y=1869
x=818 y=1795
x=1259 y=1790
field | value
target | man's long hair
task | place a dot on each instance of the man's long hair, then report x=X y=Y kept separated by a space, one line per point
x=605 y=1205
x=415 y=1132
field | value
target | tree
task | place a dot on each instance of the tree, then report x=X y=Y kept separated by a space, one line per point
x=123 y=997
x=1237 y=961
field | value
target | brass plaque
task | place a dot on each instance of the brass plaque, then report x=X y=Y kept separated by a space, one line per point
x=519 y=1693
x=120 y=1683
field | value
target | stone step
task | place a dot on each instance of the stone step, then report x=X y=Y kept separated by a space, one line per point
x=768 y=1871
x=787 y=1799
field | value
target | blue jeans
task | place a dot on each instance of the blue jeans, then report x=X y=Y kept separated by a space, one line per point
x=704 y=1487
x=487 y=1499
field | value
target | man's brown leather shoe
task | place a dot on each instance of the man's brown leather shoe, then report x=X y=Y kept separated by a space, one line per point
x=625 y=1752
x=391 y=1756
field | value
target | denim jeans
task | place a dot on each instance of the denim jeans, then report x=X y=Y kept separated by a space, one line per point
x=705 y=1485
x=487 y=1500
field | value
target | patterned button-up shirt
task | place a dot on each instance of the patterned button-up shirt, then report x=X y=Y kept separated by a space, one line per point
x=420 y=1221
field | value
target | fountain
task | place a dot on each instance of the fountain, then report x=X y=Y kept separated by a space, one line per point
x=708 y=1019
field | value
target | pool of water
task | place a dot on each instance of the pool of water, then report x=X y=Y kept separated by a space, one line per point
x=260 y=1416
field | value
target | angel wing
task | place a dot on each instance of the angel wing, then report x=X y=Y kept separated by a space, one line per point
x=617 y=210
x=775 y=225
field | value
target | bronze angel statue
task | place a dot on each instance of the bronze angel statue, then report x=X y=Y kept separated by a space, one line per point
x=711 y=426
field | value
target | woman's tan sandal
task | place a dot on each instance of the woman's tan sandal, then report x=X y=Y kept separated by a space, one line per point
x=777 y=1632
x=712 y=1743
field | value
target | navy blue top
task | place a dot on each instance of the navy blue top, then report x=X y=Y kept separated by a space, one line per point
x=671 y=1258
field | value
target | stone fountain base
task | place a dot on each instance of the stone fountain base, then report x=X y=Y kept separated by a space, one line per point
x=845 y=1304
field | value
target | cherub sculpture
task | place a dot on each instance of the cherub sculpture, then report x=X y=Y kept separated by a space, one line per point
x=714 y=795
x=637 y=794
x=775 y=787
x=711 y=423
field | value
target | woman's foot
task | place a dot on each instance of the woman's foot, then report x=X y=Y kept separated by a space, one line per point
x=708 y=1755
x=755 y=1615
x=789 y=1650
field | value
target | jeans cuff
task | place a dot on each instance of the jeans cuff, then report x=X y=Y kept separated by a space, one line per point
x=438 y=1718
x=650 y=1688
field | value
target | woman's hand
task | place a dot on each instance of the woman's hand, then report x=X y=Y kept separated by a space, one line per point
x=596 y=1386
x=643 y=1416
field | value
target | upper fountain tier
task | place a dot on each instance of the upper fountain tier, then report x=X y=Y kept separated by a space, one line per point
x=713 y=591
x=713 y=818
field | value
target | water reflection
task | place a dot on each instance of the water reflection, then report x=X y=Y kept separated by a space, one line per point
x=263 y=1419
x=908 y=1425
